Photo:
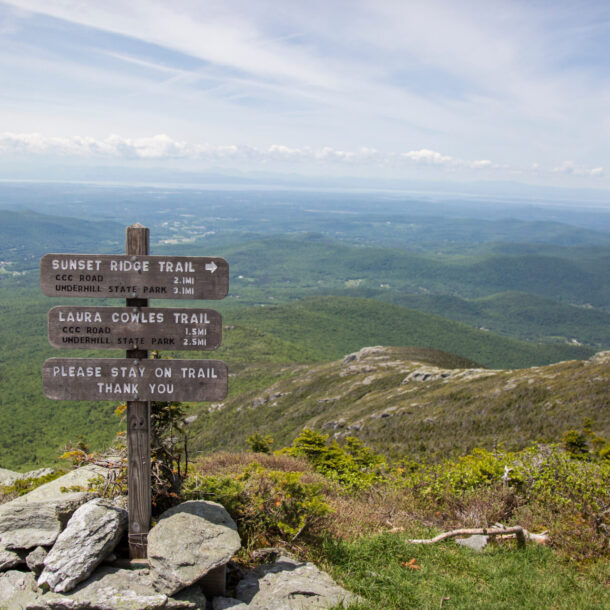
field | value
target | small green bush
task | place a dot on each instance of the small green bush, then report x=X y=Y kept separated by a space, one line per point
x=267 y=505
x=353 y=466
x=575 y=443
x=259 y=443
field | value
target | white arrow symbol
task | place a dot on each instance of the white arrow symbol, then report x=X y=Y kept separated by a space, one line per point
x=211 y=267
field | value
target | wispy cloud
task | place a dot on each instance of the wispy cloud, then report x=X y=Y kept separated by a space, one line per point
x=161 y=147
x=570 y=168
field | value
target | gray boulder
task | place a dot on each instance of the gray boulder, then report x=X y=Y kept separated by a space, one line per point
x=35 y=560
x=190 y=540
x=17 y=589
x=288 y=584
x=9 y=559
x=25 y=526
x=117 y=589
x=91 y=534
x=36 y=518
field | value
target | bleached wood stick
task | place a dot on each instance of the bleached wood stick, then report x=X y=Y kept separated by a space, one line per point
x=521 y=534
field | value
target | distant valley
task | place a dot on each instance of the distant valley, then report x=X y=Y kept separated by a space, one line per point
x=313 y=277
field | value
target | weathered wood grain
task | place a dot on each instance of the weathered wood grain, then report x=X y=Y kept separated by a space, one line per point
x=139 y=506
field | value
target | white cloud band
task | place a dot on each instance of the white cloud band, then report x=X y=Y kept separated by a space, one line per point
x=162 y=147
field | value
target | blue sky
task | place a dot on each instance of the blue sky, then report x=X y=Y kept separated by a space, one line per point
x=430 y=90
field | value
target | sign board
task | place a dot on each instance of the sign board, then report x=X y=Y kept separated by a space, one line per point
x=147 y=328
x=125 y=276
x=134 y=380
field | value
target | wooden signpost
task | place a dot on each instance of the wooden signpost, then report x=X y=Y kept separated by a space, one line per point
x=136 y=277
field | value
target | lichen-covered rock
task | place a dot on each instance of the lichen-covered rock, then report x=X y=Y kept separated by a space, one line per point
x=288 y=584
x=188 y=541
x=91 y=534
x=428 y=373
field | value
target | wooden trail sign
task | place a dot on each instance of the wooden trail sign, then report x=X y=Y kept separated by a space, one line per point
x=135 y=277
x=147 y=328
x=126 y=379
x=127 y=276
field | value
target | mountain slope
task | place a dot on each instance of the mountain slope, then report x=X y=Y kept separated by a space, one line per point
x=405 y=402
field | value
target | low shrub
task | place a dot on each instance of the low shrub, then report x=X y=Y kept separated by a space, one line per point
x=267 y=505
x=354 y=466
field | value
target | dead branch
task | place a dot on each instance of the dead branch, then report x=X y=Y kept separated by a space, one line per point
x=521 y=534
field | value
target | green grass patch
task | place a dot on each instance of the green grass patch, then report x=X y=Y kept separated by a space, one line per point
x=501 y=577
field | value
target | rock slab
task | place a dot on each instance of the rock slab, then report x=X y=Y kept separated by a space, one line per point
x=26 y=526
x=52 y=492
x=118 y=589
x=288 y=584
x=35 y=560
x=36 y=518
x=190 y=540
x=91 y=534
x=16 y=589
x=108 y=589
x=9 y=559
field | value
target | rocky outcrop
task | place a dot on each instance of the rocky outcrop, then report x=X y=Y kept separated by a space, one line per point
x=119 y=589
x=108 y=589
x=75 y=482
x=91 y=534
x=37 y=518
x=8 y=477
x=288 y=583
x=363 y=353
x=188 y=550
x=433 y=373
x=189 y=541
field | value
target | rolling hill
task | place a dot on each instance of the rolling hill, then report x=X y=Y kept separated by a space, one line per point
x=25 y=236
